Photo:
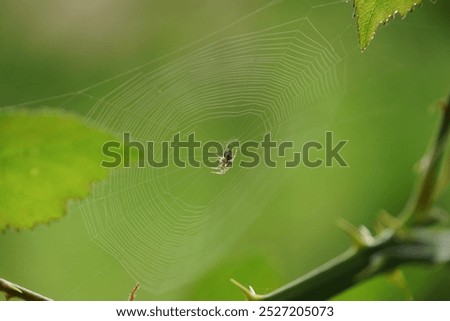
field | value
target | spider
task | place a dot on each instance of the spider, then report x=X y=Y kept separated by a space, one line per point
x=225 y=162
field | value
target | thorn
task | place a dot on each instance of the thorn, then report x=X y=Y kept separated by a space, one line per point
x=366 y=235
x=351 y=230
x=249 y=293
x=252 y=291
x=15 y=288
x=361 y=235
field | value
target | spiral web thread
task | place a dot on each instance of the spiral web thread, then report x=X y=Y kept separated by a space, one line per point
x=167 y=225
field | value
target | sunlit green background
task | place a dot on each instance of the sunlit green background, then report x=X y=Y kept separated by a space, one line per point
x=387 y=109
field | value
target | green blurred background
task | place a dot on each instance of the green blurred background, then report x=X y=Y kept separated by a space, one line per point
x=387 y=109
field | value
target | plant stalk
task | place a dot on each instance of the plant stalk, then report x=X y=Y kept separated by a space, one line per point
x=12 y=290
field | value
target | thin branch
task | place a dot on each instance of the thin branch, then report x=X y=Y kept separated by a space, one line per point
x=12 y=290
x=132 y=295
x=356 y=265
x=416 y=212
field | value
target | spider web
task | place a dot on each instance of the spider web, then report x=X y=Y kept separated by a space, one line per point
x=158 y=222
x=167 y=226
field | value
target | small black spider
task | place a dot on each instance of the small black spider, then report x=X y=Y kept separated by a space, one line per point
x=228 y=155
x=225 y=162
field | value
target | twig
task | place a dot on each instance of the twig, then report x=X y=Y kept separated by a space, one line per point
x=400 y=242
x=133 y=292
x=416 y=212
x=12 y=290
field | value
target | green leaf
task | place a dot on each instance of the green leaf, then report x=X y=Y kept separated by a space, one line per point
x=371 y=13
x=46 y=158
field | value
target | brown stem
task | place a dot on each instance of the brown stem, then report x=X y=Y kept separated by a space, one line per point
x=12 y=290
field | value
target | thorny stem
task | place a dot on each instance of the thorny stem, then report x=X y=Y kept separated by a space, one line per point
x=397 y=244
